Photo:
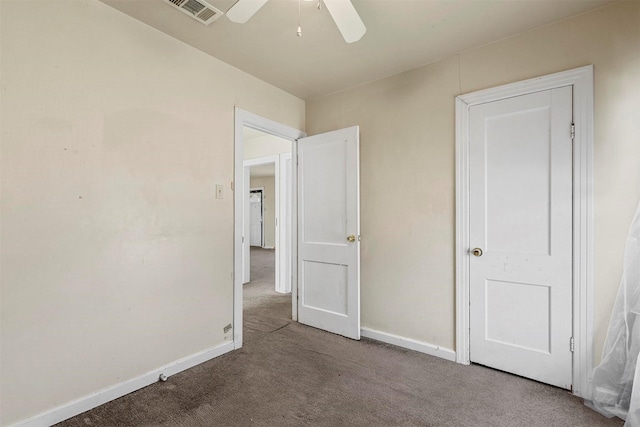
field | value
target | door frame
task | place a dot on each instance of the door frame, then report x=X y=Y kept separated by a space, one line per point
x=246 y=250
x=581 y=79
x=285 y=204
x=244 y=118
x=282 y=216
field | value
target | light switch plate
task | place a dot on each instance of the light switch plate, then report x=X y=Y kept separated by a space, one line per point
x=219 y=192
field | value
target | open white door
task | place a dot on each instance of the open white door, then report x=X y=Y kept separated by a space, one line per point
x=329 y=232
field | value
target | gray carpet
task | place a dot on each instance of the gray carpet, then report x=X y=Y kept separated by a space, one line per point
x=288 y=374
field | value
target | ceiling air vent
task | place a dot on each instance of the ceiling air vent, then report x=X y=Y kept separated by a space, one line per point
x=198 y=10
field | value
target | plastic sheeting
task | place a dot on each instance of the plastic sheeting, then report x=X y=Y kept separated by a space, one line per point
x=613 y=390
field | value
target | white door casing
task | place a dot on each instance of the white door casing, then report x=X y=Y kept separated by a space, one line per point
x=328 y=232
x=581 y=82
x=246 y=226
x=284 y=222
x=244 y=118
x=520 y=201
x=246 y=254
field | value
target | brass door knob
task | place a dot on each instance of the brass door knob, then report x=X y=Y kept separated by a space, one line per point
x=476 y=251
x=351 y=238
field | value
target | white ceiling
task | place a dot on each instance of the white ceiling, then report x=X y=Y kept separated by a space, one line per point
x=401 y=35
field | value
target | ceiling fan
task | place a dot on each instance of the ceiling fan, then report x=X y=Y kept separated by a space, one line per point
x=342 y=11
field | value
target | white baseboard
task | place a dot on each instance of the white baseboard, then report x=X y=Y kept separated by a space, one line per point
x=411 y=344
x=108 y=394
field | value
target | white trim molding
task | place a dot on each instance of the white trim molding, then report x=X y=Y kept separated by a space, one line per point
x=244 y=118
x=108 y=394
x=285 y=201
x=411 y=344
x=581 y=79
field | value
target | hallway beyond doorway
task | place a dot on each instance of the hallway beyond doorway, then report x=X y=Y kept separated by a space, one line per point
x=262 y=304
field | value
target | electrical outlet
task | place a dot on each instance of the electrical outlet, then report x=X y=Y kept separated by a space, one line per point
x=219 y=191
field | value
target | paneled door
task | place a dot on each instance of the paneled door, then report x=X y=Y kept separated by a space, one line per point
x=328 y=232
x=520 y=228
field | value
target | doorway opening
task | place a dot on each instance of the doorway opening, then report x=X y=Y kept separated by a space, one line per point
x=319 y=210
x=263 y=296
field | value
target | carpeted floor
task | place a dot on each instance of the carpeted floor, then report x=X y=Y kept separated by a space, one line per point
x=288 y=374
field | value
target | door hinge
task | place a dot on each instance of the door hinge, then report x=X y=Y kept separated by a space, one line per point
x=572 y=344
x=242 y=239
x=572 y=131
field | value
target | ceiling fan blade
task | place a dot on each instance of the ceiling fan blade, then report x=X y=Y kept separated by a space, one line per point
x=347 y=19
x=243 y=10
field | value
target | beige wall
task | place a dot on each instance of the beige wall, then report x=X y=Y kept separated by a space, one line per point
x=269 y=185
x=407 y=163
x=116 y=256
